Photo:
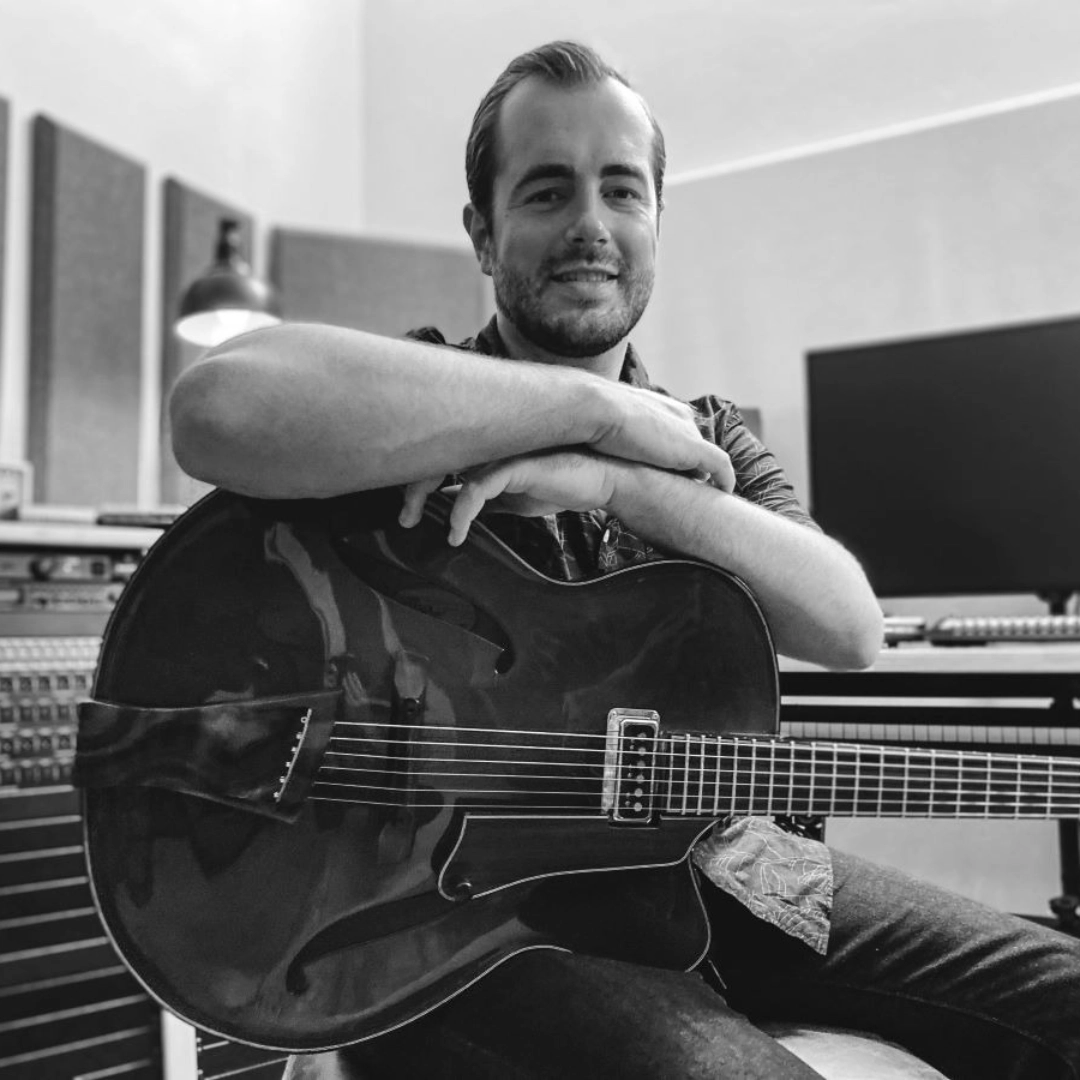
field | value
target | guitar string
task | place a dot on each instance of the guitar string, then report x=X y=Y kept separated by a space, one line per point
x=983 y=771
x=800 y=753
x=819 y=756
x=839 y=756
x=733 y=780
x=741 y=738
x=733 y=783
x=730 y=741
x=870 y=809
x=756 y=802
x=751 y=742
x=728 y=785
x=978 y=783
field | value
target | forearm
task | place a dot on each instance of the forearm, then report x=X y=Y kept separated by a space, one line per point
x=304 y=410
x=816 y=599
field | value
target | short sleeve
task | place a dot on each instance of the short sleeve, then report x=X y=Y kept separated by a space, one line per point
x=759 y=477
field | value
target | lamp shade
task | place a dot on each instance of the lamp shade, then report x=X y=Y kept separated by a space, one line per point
x=227 y=299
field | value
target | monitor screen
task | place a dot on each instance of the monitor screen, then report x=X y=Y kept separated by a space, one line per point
x=951 y=464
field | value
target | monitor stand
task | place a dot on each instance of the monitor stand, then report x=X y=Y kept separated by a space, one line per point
x=1057 y=600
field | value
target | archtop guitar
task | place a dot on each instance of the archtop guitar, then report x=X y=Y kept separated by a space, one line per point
x=334 y=771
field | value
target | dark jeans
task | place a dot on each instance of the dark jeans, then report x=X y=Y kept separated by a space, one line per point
x=978 y=994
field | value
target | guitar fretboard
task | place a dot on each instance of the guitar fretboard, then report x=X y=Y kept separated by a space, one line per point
x=712 y=776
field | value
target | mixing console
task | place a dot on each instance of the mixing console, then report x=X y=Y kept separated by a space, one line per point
x=68 y=1006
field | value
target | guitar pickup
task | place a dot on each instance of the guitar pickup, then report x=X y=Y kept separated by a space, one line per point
x=630 y=765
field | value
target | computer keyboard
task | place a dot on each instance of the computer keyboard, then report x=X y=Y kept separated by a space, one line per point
x=901 y=628
x=983 y=629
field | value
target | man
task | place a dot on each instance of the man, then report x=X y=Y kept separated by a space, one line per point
x=549 y=424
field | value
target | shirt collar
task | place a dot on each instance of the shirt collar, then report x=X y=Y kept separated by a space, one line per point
x=489 y=341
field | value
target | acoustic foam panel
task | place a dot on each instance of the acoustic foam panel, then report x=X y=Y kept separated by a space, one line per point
x=4 y=125
x=85 y=318
x=384 y=286
x=191 y=221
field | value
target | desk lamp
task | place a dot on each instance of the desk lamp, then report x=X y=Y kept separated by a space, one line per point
x=227 y=299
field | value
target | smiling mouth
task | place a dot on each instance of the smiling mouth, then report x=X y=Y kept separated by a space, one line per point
x=585 y=275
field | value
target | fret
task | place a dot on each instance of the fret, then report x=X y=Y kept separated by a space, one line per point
x=833 y=784
x=733 y=801
x=1036 y=788
x=868 y=796
x=919 y=793
x=670 y=770
x=674 y=770
x=753 y=769
x=890 y=791
x=847 y=774
x=716 y=778
x=975 y=790
x=1000 y=795
x=945 y=802
x=686 y=777
x=1008 y=786
x=1040 y=794
x=772 y=777
x=791 y=779
x=701 y=781
x=802 y=781
x=734 y=775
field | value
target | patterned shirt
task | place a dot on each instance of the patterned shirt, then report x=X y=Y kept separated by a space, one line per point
x=784 y=878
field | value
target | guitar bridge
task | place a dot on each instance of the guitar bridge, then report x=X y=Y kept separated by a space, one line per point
x=630 y=765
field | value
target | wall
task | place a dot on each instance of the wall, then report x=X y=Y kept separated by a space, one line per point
x=970 y=223
x=728 y=79
x=257 y=102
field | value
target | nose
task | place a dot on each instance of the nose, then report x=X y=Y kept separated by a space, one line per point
x=587 y=225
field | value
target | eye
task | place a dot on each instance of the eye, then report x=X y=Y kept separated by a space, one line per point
x=544 y=195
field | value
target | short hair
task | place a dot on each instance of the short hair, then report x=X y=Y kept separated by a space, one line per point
x=566 y=64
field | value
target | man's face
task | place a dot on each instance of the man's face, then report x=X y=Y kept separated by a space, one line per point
x=571 y=245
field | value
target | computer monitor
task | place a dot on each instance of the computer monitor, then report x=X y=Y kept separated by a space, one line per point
x=951 y=464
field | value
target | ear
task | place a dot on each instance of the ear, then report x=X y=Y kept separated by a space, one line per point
x=479 y=234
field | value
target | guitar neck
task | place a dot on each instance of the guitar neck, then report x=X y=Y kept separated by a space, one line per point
x=712 y=776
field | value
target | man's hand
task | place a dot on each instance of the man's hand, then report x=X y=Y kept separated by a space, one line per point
x=531 y=485
x=657 y=430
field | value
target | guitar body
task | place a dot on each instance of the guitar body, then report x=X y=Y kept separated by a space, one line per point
x=358 y=914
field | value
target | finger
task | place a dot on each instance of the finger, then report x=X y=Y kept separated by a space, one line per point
x=416 y=495
x=720 y=469
x=477 y=490
x=709 y=462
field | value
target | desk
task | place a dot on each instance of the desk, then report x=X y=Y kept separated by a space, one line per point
x=1008 y=669
x=1002 y=697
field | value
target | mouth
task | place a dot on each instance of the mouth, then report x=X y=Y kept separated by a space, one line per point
x=591 y=275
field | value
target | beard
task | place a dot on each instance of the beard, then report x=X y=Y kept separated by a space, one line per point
x=574 y=330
